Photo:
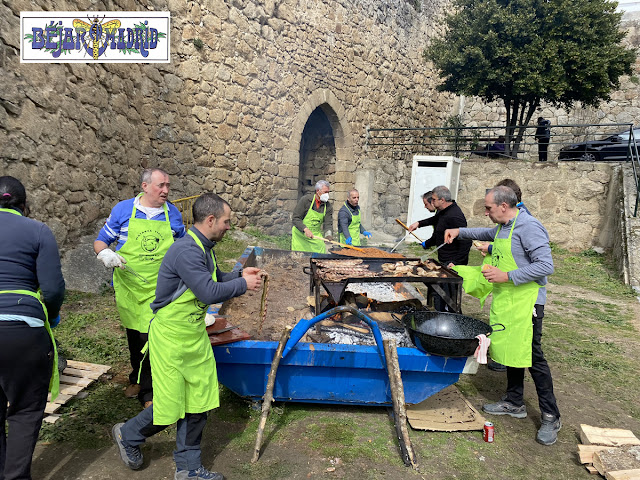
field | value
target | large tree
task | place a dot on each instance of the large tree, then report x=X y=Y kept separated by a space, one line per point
x=526 y=52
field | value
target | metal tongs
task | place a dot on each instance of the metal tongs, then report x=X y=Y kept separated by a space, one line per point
x=132 y=271
x=399 y=242
x=431 y=252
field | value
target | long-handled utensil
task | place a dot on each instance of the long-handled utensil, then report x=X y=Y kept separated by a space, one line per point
x=341 y=244
x=399 y=242
x=407 y=229
x=133 y=272
x=431 y=252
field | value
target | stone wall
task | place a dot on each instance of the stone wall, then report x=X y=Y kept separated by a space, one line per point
x=227 y=117
x=573 y=200
x=570 y=199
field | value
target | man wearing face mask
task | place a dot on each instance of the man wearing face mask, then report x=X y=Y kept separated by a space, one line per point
x=312 y=216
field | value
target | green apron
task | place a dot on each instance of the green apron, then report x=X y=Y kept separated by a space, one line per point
x=473 y=281
x=183 y=368
x=313 y=221
x=354 y=229
x=147 y=242
x=512 y=306
x=54 y=382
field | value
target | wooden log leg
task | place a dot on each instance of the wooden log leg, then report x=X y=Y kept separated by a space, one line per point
x=397 y=396
x=268 y=394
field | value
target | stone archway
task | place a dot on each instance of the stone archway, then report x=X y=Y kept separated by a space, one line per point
x=322 y=104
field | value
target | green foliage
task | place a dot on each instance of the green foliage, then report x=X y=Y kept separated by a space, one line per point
x=589 y=270
x=555 y=51
x=454 y=133
x=282 y=242
x=525 y=52
x=198 y=43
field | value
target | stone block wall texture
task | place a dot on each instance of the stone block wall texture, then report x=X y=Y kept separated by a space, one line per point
x=227 y=117
x=570 y=199
x=573 y=200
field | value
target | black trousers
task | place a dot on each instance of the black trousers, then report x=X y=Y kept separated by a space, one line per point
x=136 y=341
x=188 y=436
x=26 y=360
x=438 y=302
x=543 y=146
x=539 y=370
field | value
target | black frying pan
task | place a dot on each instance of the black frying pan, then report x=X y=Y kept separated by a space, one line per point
x=446 y=334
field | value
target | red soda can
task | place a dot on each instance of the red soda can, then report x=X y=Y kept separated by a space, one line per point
x=488 y=432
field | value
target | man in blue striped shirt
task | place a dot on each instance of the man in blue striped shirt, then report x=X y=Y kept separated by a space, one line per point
x=143 y=228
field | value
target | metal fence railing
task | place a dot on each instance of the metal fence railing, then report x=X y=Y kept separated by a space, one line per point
x=576 y=142
x=466 y=141
x=185 y=206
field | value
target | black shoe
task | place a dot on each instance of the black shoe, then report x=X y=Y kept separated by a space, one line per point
x=496 y=367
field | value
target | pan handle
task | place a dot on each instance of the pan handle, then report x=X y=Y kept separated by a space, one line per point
x=303 y=325
x=498 y=324
x=307 y=269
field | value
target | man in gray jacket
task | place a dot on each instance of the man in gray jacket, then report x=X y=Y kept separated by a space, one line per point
x=521 y=260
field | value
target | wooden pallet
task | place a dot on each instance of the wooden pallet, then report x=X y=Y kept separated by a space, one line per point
x=75 y=378
x=611 y=452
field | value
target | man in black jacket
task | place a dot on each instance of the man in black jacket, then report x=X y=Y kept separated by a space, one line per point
x=543 y=137
x=448 y=214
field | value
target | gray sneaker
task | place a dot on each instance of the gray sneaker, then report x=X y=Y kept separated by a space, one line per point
x=131 y=456
x=548 y=433
x=198 y=474
x=505 y=408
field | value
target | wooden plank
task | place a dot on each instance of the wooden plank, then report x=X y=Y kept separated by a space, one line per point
x=592 y=470
x=624 y=474
x=52 y=418
x=615 y=459
x=52 y=408
x=607 y=436
x=61 y=398
x=88 y=366
x=585 y=452
x=70 y=389
x=75 y=372
x=67 y=380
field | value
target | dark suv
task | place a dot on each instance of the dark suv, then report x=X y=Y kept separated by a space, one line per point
x=612 y=148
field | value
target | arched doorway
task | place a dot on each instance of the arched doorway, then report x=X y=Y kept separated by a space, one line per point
x=309 y=149
x=317 y=152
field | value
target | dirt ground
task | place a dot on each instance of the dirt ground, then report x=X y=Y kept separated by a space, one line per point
x=289 y=454
x=287 y=291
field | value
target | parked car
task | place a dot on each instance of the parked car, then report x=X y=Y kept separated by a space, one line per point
x=612 y=148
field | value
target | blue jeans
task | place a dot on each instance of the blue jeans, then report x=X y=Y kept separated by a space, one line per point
x=188 y=437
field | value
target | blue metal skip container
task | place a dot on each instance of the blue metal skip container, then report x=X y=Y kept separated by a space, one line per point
x=332 y=373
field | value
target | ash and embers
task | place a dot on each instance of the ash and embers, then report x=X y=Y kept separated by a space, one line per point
x=347 y=337
x=380 y=292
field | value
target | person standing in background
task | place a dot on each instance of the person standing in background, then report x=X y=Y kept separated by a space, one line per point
x=349 y=226
x=312 y=215
x=543 y=137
